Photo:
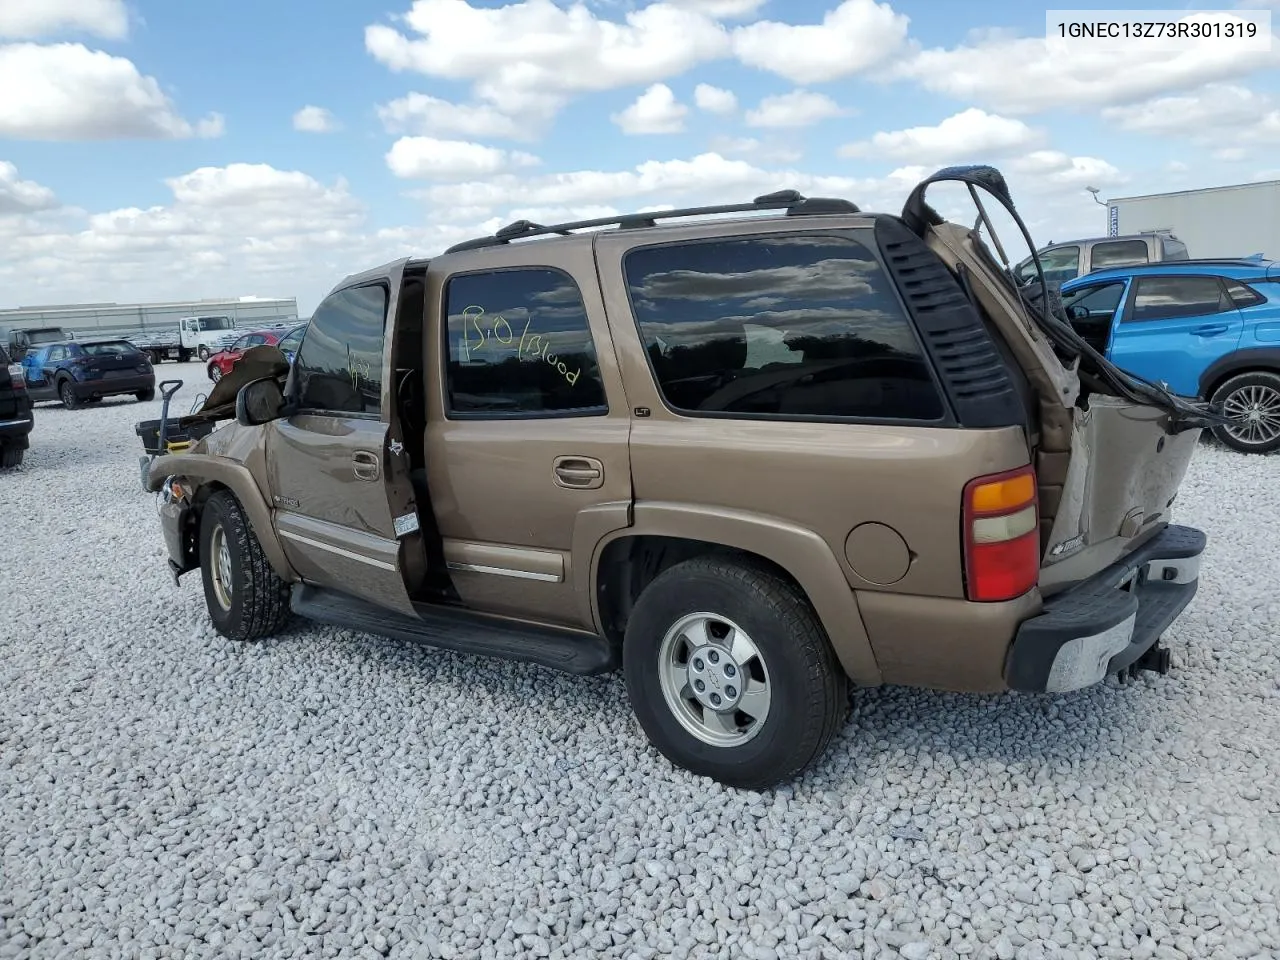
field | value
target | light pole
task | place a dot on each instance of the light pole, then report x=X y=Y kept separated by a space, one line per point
x=1094 y=191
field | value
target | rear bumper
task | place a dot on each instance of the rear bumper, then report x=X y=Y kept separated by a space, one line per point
x=14 y=430
x=1105 y=623
x=89 y=389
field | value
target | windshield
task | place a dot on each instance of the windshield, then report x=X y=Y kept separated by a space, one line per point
x=114 y=348
x=206 y=324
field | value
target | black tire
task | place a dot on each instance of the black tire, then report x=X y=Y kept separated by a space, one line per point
x=145 y=396
x=809 y=699
x=184 y=356
x=1243 y=390
x=215 y=373
x=202 y=353
x=11 y=456
x=259 y=599
x=67 y=394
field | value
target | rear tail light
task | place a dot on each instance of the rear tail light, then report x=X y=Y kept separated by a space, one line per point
x=1001 y=535
x=15 y=376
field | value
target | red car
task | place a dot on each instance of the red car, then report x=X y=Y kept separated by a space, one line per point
x=220 y=363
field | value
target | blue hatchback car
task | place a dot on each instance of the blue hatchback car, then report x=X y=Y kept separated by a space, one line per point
x=1208 y=329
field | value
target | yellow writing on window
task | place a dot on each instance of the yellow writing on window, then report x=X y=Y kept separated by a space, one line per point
x=479 y=330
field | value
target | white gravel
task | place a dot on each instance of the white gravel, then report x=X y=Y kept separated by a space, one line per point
x=164 y=792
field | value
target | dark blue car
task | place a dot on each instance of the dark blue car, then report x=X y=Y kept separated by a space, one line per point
x=1207 y=328
x=78 y=372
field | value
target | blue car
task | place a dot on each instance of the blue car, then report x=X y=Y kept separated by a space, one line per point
x=1208 y=329
x=80 y=372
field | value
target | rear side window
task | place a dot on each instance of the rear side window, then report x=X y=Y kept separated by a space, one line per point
x=1060 y=264
x=519 y=343
x=791 y=326
x=1175 y=249
x=1167 y=298
x=339 y=365
x=1118 y=253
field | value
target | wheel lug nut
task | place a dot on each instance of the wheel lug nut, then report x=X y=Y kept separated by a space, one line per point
x=697 y=664
x=713 y=657
x=715 y=699
x=730 y=692
x=699 y=685
x=728 y=670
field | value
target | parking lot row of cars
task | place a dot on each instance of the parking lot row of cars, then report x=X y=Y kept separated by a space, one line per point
x=79 y=372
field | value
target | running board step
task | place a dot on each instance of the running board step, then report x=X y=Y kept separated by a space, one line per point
x=461 y=630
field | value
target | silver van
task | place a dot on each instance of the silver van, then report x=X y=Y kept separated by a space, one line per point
x=1071 y=258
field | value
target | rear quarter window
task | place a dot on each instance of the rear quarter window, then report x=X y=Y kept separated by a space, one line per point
x=790 y=326
x=1118 y=253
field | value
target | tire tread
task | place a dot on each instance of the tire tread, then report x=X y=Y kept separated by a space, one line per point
x=264 y=603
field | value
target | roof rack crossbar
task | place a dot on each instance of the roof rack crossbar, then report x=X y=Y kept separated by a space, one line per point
x=791 y=200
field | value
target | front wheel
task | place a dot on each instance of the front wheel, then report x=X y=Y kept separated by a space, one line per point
x=730 y=673
x=215 y=373
x=67 y=394
x=1252 y=400
x=245 y=597
x=202 y=353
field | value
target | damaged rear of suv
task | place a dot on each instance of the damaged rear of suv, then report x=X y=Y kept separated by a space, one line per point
x=750 y=461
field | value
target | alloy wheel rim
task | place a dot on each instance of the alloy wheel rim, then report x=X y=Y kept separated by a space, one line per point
x=714 y=679
x=220 y=549
x=1255 y=414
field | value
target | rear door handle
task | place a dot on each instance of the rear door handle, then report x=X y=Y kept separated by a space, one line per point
x=365 y=464
x=1210 y=330
x=578 y=473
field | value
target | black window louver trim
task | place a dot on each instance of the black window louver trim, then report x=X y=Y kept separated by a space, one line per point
x=972 y=371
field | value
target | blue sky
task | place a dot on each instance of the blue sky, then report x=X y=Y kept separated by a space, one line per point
x=151 y=149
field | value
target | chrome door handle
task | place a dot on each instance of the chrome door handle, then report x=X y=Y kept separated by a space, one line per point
x=365 y=465
x=578 y=473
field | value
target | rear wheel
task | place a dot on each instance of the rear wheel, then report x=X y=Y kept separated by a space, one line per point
x=11 y=456
x=245 y=597
x=730 y=673
x=67 y=394
x=1252 y=400
x=145 y=396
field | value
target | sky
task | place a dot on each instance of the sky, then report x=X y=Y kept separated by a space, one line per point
x=153 y=150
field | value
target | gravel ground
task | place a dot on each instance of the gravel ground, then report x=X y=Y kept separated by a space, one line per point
x=164 y=792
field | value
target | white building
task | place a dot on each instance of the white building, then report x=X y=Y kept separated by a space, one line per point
x=1232 y=221
x=86 y=320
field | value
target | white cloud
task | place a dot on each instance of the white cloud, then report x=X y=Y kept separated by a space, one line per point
x=856 y=35
x=721 y=9
x=1028 y=75
x=312 y=119
x=426 y=158
x=714 y=99
x=66 y=91
x=22 y=196
x=972 y=134
x=654 y=111
x=32 y=19
x=799 y=108
x=1047 y=171
x=1205 y=116
x=757 y=150
x=537 y=55
x=1230 y=154
x=418 y=113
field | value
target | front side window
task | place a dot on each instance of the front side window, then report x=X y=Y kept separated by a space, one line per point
x=519 y=343
x=208 y=324
x=1118 y=253
x=792 y=326
x=240 y=344
x=1168 y=298
x=1099 y=300
x=339 y=364
x=291 y=341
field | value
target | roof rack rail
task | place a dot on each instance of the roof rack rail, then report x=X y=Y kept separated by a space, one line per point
x=792 y=201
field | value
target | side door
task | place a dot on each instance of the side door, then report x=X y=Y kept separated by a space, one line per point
x=1092 y=307
x=527 y=429
x=1173 y=327
x=327 y=457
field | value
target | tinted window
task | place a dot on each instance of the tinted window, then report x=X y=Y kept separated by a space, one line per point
x=1175 y=249
x=1242 y=295
x=1165 y=298
x=291 y=341
x=1118 y=253
x=519 y=343
x=1060 y=264
x=118 y=349
x=339 y=365
x=1098 y=300
x=802 y=326
x=56 y=354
